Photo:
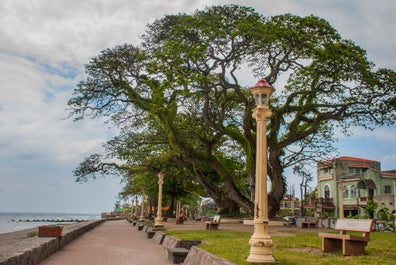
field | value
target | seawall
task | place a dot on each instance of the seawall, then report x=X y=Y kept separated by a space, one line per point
x=17 y=248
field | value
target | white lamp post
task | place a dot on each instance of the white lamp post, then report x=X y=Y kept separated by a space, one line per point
x=158 y=220
x=132 y=209
x=261 y=242
x=135 y=213
x=142 y=212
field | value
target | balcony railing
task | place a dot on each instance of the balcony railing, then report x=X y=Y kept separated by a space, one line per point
x=325 y=203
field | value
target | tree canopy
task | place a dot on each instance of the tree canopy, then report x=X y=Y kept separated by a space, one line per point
x=181 y=100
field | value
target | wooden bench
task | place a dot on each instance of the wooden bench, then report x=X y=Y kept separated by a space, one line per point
x=308 y=224
x=350 y=244
x=214 y=224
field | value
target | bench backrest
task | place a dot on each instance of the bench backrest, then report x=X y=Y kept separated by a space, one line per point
x=359 y=225
x=216 y=219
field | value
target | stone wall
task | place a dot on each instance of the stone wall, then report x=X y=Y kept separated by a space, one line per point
x=31 y=251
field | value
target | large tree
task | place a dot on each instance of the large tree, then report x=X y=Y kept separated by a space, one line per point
x=187 y=82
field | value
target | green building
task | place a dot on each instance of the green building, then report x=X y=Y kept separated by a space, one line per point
x=358 y=180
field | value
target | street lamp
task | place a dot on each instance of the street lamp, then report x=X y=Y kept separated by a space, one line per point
x=132 y=208
x=158 y=220
x=135 y=213
x=261 y=242
x=142 y=211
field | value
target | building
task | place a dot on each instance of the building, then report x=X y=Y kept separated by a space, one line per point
x=358 y=180
x=290 y=206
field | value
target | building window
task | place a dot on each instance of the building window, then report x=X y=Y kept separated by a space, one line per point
x=354 y=170
x=327 y=192
x=345 y=192
x=388 y=189
x=353 y=191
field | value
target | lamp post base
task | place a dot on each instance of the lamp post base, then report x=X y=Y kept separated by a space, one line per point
x=260 y=255
x=260 y=245
x=158 y=222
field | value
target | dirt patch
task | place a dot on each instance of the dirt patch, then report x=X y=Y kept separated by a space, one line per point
x=306 y=250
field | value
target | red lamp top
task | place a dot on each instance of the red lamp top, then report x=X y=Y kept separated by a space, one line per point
x=262 y=83
x=262 y=91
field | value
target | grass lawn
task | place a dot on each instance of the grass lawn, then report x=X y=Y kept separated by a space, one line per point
x=298 y=248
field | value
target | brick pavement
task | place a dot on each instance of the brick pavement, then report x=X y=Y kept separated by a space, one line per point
x=113 y=242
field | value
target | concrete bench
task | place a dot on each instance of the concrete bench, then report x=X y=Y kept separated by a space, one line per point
x=150 y=233
x=178 y=249
x=214 y=224
x=177 y=255
x=350 y=244
x=159 y=237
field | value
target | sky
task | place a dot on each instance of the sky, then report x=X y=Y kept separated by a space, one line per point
x=44 y=45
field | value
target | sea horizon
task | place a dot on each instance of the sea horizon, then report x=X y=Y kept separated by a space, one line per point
x=17 y=221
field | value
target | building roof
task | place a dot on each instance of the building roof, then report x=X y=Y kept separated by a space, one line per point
x=357 y=159
x=363 y=161
x=389 y=173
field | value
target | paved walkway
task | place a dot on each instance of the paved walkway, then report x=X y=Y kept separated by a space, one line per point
x=113 y=242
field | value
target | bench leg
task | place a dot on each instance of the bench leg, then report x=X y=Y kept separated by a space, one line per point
x=353 y=248
x=212 y=226
x=331 y=244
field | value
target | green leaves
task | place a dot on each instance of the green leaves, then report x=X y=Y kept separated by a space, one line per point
x=181 y=103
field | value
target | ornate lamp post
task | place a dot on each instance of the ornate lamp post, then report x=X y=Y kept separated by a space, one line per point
x=261 y=242
x=158 y=220
x=132 y=208
x=135 y=213
x=142 y=211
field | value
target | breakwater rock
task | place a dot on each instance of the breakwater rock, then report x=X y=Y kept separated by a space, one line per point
x=51 y=220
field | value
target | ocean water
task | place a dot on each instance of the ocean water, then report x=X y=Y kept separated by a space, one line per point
x=10 y=222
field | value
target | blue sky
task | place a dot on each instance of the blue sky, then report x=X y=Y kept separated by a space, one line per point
x=44 y=45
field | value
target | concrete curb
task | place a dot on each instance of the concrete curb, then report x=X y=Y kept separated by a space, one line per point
x=197 y=255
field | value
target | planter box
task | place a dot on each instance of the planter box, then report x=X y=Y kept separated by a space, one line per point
x=50 y=231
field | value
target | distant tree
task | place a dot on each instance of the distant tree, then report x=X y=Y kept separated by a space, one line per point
x=306 y=176
x=371 y=208
x=186 y=84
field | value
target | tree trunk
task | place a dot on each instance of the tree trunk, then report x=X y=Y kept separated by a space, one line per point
x=278 y=188
x=172 y=206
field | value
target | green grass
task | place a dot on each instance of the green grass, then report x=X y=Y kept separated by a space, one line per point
x=31 y=234
x=298 y=248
